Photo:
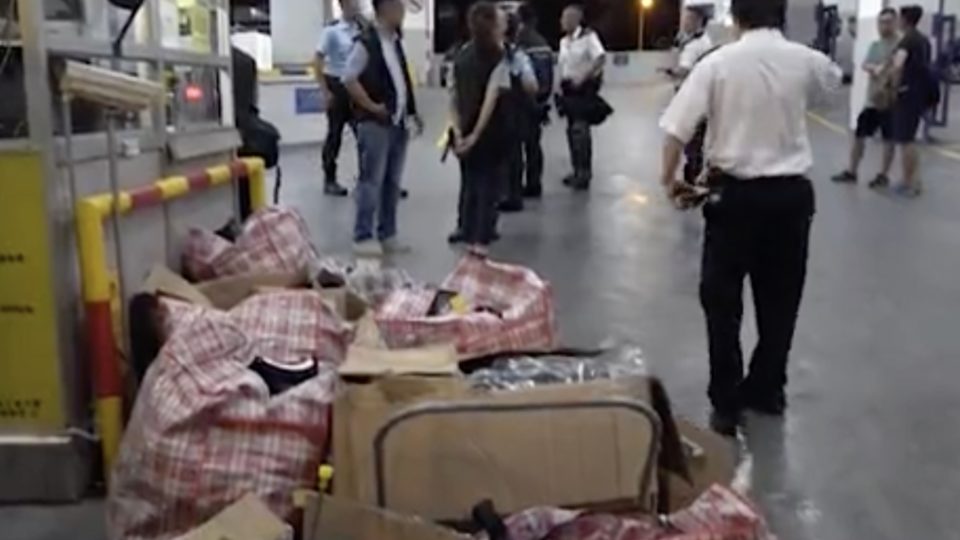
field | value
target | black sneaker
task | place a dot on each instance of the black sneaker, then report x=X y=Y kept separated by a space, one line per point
x=333 y=189
x=846 y=177
x=533 y=192
x=511 y=206
x=581 y=184
x=775 y=405
x=456 y=237
x=880 y=181
x=724 y=422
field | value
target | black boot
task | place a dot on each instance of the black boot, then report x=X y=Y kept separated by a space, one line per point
x=332 y=189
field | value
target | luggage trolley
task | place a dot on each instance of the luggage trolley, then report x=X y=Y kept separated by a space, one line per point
x=435 y=409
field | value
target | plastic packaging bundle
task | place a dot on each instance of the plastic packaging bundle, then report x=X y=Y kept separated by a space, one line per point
x=526 y=372
x=371 y=282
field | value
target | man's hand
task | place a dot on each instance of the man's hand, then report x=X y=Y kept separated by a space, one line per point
x=417 y=125
x=380 y=112
x=328 y=97
x=465 y=144
x=683 y=195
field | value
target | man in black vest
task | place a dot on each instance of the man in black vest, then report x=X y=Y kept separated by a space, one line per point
x=378 y=80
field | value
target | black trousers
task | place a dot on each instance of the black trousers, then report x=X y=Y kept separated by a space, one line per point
x=338 y=116
x=481 y=188
x=526 y=159
x=757 y=229
x=693 y=152
x=580 y=141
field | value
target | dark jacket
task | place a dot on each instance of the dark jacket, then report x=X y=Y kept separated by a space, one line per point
x=472 y=69
x=376 y=79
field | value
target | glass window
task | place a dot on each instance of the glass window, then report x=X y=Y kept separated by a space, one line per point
x=87 y=116
x=96 y=20
x=190 y=24
x=193 y=97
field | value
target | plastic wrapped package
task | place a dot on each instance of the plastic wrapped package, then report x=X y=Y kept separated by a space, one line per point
x=371 y=282
x=525 y=372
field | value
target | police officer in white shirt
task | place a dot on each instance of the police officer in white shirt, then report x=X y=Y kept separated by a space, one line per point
x=760 y=205
x=581 y=62
x=336 y=42
x=693 y=43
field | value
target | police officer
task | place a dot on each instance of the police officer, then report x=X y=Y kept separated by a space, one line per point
x=581 y=62
x=693 y=43
x=760 y=206
x=334 y=47
x=519 y=106
x=542 y=60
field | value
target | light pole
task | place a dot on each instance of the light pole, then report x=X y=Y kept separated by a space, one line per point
x=645 y=5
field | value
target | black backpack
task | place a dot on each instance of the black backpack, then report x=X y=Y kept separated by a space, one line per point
x=260 y=139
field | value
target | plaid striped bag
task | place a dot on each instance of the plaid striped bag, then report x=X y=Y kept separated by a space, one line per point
x=521 y=315
x=273 y=240
x=205 y=430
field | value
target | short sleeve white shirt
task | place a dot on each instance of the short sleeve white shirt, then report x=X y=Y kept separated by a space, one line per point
x=692 y=51
x=754 y=95
x=578 y=52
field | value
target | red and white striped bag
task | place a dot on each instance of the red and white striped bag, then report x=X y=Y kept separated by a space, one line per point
x=718 y=514
x=273 y=240
x=525 y=319
x=205 y=429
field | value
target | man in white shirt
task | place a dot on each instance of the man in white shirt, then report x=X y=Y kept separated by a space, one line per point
x=760 y=206
x=377 y=78
x=693 y=43
x=581 y=62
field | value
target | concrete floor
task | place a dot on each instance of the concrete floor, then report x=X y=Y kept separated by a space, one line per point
x=869 y=447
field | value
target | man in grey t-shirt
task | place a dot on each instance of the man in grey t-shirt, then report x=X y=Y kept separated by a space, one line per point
x=880 y=95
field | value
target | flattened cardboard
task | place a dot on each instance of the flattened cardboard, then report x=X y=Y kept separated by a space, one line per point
x=714 y=465
x=162 y=280
x=246 y=519
x=333 y=518
x=225 y=293
x=363 y=361
x=440 y=466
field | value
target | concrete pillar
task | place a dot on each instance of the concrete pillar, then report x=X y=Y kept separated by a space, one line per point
x=867 y=11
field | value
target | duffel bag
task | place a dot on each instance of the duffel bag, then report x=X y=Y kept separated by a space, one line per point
x=273 y=240
x=512 y=310
x=207 y=429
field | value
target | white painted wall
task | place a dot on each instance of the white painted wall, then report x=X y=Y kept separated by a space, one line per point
x=295 y=26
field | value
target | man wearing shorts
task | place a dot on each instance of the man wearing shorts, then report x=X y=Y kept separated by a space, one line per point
x=916 y=93
x=880 y=95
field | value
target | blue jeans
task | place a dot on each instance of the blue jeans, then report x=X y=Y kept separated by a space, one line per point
x=383 y=150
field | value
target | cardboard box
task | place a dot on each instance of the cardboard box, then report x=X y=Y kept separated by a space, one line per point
x=457 y=447
x=712 y=462
x=334 y=518
x=246 y=519
x=226 y=293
